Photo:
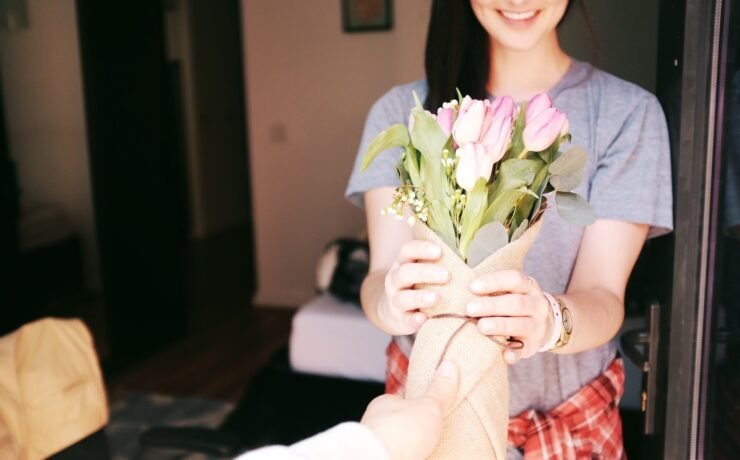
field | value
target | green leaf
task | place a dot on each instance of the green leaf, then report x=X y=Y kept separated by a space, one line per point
x=520 y=229
x=573 y=161
x=566 y=183
x=441 y=222
x=517 y=143
x=488 y=239
x=473 y=214
x=529 y=205
x=410 y=163
x=515 y=172
x=550 y=154
x=427 y=136
x=505 y=204
x=395 y=136
x=574 y=209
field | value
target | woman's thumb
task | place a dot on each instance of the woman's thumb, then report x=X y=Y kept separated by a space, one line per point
x=444 y=384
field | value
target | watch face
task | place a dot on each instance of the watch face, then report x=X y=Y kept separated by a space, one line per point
x=567 y=322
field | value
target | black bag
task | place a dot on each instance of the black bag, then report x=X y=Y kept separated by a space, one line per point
x=344 y=265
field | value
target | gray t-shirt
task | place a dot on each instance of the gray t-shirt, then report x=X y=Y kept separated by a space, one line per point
x=624 y=132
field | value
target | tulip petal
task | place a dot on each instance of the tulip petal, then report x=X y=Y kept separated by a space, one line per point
x=467 y=168
x=536 y=105
x=445 y=117
x=468 y=124
x=543 y=129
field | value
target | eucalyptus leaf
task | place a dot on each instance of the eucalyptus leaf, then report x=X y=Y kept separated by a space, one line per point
x=473 y=214
x=395 y=136
x=520 y=230
x=487 y=240
x=574 y=209
x=572 y=161
x=566 y=183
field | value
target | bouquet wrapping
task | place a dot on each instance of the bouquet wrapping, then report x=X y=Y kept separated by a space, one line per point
x=475 y=180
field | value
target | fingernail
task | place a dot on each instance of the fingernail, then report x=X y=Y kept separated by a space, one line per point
x=473 y=308
x=485 y=325
x=429 y=297
x=420 y=318
x=446 y=369
x=476 y=286
x=435 y=251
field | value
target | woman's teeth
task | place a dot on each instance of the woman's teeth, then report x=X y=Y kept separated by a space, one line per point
x=518 y=16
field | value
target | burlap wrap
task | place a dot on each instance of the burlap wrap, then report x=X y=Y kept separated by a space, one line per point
x=476 y=425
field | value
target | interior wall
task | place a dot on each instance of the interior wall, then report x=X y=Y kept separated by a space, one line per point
x=42 y=86
x=309 y=87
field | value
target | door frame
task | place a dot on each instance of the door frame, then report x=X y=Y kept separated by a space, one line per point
x=695 y=217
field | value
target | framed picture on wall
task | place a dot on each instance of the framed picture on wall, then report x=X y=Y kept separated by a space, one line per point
x=367 y=15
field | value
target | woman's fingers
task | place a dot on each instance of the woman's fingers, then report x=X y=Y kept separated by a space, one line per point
x=503 y=305
x=413 y=299
x=520 y=326
x=419 y=250
x=408 y=274
x=513 y=281
x=411 y=322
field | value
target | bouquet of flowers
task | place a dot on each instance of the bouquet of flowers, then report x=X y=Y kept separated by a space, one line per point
x=476 y=179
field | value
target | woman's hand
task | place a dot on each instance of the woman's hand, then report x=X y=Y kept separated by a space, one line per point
x=400 y=304
x=511 y=304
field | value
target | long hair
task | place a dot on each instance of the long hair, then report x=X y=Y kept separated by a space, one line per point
x=457 y=52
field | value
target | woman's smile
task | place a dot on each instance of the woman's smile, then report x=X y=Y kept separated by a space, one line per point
x=519 y=18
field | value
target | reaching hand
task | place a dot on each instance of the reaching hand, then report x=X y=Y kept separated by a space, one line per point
x=399 y=309
x=411 y=428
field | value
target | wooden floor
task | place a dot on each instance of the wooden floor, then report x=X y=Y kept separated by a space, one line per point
x=228 y=341
x=217 y=361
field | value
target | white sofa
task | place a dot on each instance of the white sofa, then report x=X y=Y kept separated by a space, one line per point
x=334 y=338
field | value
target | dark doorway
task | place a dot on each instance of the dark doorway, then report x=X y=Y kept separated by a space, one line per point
x=143 y=101
x=12 y=315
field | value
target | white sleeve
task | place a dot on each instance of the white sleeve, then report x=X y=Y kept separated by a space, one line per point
x=344 y=441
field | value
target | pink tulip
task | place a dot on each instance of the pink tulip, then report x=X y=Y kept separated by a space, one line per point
x=542 y=130
x=475 y=163
x=536 y=105
x=483 y=133
x=566 y=127
x=445 y=117
x=469 y=121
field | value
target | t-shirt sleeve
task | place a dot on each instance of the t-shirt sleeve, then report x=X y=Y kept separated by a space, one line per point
x=632 y=181
x=386 y=111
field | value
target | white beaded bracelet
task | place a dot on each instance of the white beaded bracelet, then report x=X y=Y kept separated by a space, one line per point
x=557 y=324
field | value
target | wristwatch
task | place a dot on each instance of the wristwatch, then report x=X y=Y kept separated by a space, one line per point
x=567 y=328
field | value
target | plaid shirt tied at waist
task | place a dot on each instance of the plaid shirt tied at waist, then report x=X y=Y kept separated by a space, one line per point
x=585 y=426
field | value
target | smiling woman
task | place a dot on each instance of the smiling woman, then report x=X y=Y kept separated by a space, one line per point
x=494 y=48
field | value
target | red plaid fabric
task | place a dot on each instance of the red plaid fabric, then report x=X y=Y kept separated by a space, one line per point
x=585 y=426
x=397 y=368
